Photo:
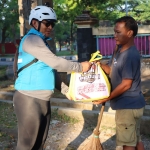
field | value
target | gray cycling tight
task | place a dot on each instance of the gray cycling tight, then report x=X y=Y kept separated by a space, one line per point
x=33 y=117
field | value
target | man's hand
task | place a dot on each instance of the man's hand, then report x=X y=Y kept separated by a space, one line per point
x=100 y=101
x=86 y=66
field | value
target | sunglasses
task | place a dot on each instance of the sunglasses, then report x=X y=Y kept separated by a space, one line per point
x=47 y=24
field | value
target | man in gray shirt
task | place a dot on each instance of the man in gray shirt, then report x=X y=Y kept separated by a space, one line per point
x=126 y=96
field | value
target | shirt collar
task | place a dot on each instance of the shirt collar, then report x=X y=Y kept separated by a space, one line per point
x=34 y=31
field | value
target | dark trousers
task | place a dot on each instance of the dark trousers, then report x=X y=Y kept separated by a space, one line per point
x=33 y=117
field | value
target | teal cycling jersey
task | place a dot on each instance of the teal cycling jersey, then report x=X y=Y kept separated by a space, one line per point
x=38 y=76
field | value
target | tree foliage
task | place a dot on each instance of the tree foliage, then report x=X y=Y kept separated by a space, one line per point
x=142 y=12
x=8 y=19
x=103 y=9
x=68 y=10
x=61 y=29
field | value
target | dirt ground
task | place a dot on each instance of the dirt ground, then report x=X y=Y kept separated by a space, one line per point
x=68 y=137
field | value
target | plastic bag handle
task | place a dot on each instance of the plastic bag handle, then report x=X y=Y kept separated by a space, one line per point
x=95 y=56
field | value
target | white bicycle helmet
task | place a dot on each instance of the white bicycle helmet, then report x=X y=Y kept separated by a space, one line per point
x=42 y=12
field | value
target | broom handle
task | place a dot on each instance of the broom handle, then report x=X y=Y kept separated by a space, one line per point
x=100 y=116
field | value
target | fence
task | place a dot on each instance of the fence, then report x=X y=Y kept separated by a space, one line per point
x=8 y=48
x=106 y=44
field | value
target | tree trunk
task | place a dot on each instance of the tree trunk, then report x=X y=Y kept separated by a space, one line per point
x=71 y=32
x=60 y=45
x=51 y=42
x=21 y=17
x=3 y=40
x=14 y=33
x=4 y=29
x=48 y=1
x=71 y=36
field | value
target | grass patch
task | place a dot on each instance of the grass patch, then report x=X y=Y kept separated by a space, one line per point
x=8 y=85
x=5 y=84
x=64 y=117
x=66 y=53
x=7 y=115
x=8 y=118
x=2 y=72
x=58 y=53
x=8 y=125
x=8 y=55
x=58 y=94
x=107 y=127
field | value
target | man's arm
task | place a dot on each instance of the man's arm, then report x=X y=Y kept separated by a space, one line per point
x=35 y=46
x=120 y=89
x=106 y=68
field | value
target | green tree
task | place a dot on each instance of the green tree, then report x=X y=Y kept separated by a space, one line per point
x=9 y=19
x=137 y=9
x=62 y=32
x=142 y=13
x=68 y=10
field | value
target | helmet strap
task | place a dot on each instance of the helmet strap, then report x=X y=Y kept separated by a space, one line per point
x=39 y=25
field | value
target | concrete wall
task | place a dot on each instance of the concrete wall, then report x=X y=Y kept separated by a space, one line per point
x=144 y=29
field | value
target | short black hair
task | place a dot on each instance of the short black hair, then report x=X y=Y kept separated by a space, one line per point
x=130 y=23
